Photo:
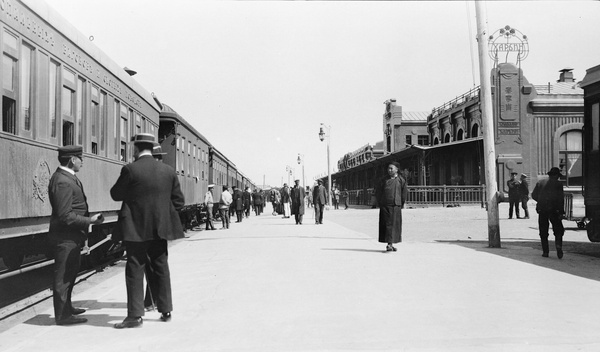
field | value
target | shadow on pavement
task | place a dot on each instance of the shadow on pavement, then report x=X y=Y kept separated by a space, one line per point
x=583 y=264
x=355 y=250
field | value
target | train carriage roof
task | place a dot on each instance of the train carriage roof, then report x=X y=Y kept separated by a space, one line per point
x=67 y=30
x=169 y=112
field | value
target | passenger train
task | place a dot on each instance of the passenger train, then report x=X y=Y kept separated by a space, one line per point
x=59 y=89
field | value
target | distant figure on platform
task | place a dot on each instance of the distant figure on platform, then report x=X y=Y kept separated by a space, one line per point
x=209 y=202
x=514 y=196
x=238 y=203
x=524 y=193
x=336 y=198
x=319 y=200
x=69 y=223
x=308 y=197
x=285 y=200
x=345 y=195
x=224 y=204
x=257 y=200
x=152 y=197
x=275 y=200
x=549 y=195
x=298 y=202
x=247 y=201
x=391 y=194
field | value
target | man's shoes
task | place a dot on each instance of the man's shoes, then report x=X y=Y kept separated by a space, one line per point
x=71 y=321
x=165 y=317
x=130 y=322
x=559 y=253
x=389 y=248
x=77 y=311
x=545 y=255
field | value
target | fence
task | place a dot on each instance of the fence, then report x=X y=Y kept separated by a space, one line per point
x=428 y=195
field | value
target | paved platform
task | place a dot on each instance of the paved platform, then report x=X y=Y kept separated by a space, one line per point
x=270 y=285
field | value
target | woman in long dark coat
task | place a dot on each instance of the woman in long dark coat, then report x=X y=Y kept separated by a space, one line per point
x=391 y=195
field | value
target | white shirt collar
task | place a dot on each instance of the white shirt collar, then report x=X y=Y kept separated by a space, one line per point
x=144 y=153
x=67 y=170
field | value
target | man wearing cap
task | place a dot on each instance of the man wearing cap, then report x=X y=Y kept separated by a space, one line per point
x=514 y=196
x=319 y=201
x=524 y=193
x=209 y=202
x=298 y=202
x=246 y=201
x=152 y=198
x=391 y=194
x=549 y=195
x=157 y=152
x=224 y=204
x=69 y=223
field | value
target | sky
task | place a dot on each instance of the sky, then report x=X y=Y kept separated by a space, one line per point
x=258 y=78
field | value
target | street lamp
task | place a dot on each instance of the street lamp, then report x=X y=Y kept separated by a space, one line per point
x=289 y=171
x=322 y=136
x=301 y=160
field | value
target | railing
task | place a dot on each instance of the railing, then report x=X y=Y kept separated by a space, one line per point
x=459 y=100
x=428 y=195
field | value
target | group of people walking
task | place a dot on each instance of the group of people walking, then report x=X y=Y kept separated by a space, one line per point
x=232 y=201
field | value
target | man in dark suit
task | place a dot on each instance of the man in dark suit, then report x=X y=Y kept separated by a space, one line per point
x=549 y=195
x=319 y=200
x=298 y=202
x=69 y=225
x=238 y=204
x=151 y=197
x=247 y=200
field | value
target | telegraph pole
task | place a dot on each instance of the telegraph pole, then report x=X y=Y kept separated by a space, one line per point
x=487 y=118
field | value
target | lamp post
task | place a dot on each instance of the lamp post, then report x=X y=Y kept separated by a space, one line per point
x=322 y=136
x=301 y=161
x=289 y=171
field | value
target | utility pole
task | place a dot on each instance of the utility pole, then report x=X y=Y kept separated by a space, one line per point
x=487 y=118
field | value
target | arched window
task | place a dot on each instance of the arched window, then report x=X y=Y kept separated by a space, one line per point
x=447 y=138
x=459 y=135
x=436 y=141
x=475 y=131
x=569 y=157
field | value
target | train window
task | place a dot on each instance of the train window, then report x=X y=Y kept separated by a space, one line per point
x=79 y=112
x=94 y=117
x=116 y=119
x=570 y=157
x=52 y=96
x=595 y=126
x=102 y=123
x=68 y=133
x=138 y=123
x=131 y=131
x=25 y=87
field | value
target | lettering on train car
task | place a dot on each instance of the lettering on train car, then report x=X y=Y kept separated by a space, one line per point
x=20 y=17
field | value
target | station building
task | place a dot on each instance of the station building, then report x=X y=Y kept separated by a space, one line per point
x=536 y=127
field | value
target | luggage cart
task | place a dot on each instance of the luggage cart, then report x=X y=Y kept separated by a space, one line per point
x=568 y=203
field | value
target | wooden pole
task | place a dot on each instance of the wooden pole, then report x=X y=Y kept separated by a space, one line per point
x=489 y=149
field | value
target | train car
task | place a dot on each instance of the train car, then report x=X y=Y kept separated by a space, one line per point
x=188 y=153
x=59 y=89
x=591 y=151
x=218 y=172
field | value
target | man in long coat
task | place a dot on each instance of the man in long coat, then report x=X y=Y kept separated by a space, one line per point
x=151 y=197
x=391 y=195
x=257 y=200
x=319 y=201
x=549 y=195
x=247 y=200
x=238 y=203
x=298 y=202
x=69 y=224
x=514 y=195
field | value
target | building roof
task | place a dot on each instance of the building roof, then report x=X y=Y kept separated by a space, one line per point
x=564 y=88
x=414 y=115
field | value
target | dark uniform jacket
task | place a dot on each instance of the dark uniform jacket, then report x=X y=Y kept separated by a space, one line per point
x=524 y=190
x=319 y=195
x=549 y=195
x=151 y=197
x=246 y=197
x=399 y=195
x=257 y=198
x=297 y=200
x=70 y=217
x=237 y=200
x=513 y=189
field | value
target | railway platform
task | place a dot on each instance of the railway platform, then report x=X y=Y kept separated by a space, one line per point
x=267 y=284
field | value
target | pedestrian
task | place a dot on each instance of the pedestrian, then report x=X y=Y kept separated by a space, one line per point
x=275 y=199
x=319 y=201
x=149 y=218
x=246 y=201
x=391 y=194
x=524 y=193
x=285 y=200
x=69 y=223
x=549 y=195
x=336 y=198
x=151 y=291
x=298 y=202
x=308 y=196
x=514 y=196
x=238 y=203
x=345 y=195
x=257 y=201
x=209 y=202
x=224 y=204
